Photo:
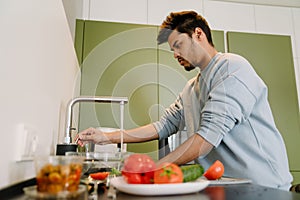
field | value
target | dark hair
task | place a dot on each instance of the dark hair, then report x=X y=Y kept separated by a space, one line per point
x=183 y=22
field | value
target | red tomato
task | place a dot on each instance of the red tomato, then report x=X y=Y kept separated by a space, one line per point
x=168 y=173
x=215 y=171
x=99 y=175
x=138 y=163
x=133 y=178
x=138 y=169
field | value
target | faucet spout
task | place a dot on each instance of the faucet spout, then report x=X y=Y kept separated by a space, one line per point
x=96 y=99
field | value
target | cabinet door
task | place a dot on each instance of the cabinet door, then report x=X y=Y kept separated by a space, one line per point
x=271 y=56
x=119 y=59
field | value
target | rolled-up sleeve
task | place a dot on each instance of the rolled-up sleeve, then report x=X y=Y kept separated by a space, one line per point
x=229 y=104
x=171 y=121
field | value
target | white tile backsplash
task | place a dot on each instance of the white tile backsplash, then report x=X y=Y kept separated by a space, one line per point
x=229 y=16
x=274 y=20
x=158 y=9
x=131 y=11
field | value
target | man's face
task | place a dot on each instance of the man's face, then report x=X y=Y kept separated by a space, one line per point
x=187 y=66
x=194 y=50
x=180 y=43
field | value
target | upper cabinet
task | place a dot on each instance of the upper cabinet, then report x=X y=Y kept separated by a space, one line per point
x=119 y=59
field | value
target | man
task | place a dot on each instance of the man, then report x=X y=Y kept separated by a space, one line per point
x=224 y=109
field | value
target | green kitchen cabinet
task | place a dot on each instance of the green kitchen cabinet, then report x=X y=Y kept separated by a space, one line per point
x=119 y=59
x=271 y=56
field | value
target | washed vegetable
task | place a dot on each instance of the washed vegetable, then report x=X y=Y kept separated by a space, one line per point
x=138 y=169
x=215 y=171
x=115 y=171
x=99 y=175
x=168 y=173
x=191 y=172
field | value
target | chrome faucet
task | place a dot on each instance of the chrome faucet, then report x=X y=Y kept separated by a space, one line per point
x=97 y=99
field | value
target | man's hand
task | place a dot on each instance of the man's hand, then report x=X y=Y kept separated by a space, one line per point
x=91 y=135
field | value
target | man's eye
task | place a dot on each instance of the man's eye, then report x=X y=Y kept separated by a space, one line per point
x=177 y=46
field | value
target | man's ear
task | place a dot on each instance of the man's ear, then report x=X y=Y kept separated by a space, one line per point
x=198 y=31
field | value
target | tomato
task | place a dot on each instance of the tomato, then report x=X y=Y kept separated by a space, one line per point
x=133 y=178
x=138 y=169
x=99 y=175
x=215 y=171
x=138 y=163
x=168 y=173
x=138 y=178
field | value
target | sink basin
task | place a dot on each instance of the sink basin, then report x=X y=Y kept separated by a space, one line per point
x=100 y=161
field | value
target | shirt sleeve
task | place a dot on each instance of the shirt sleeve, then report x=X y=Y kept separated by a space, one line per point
x=229 y=103
x=171 y=121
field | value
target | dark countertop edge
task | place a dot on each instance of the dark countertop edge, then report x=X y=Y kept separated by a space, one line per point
x=16 y=189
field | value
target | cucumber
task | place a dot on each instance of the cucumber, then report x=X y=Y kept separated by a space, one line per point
x=191 y=172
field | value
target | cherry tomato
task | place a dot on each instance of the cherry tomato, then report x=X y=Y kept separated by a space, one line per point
x=99 y=175
x=138 y=169
x=215 y=171
x=168 y=173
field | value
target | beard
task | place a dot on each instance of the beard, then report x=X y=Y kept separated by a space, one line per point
x=189 y=68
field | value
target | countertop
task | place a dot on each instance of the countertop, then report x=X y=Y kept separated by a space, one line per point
x=246 y=191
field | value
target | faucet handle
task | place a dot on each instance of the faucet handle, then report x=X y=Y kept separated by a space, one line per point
x=68 y=139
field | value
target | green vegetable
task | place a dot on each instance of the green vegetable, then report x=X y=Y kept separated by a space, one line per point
x=191 y=172
x=116 y=172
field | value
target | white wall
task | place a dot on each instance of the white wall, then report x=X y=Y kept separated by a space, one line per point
x=221 y=15
x=39 y=75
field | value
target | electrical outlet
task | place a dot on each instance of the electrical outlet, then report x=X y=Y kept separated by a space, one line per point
x=27 y=140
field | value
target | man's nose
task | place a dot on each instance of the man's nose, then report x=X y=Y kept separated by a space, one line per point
x=176 y=55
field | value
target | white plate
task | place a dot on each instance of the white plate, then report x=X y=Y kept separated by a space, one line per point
x=159 y=189
x=228 y=181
